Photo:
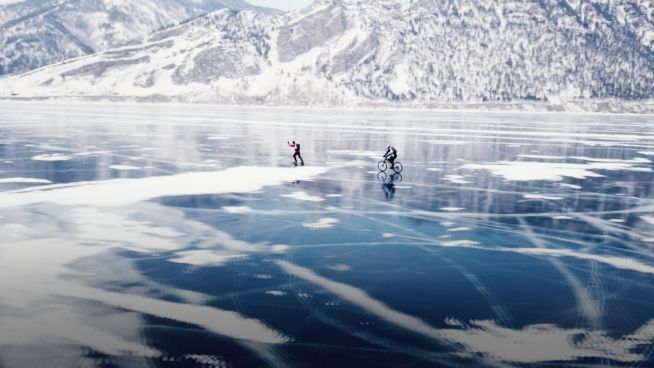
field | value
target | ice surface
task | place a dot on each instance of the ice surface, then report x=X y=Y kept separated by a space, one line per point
x=525 y=247
x=619 y=262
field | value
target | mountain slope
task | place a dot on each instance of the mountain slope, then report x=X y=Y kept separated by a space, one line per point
x=40 y=32
x=375 y=51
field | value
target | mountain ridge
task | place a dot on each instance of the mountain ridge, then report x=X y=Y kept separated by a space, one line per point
x=423 y=53
x=37 y=33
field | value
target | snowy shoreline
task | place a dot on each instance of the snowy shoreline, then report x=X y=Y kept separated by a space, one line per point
x=602 y=107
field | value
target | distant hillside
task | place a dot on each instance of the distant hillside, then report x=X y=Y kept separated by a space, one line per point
x=375 y=51
x=35 y=33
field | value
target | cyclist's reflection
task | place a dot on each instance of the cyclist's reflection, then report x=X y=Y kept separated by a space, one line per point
x=389 y=190
x=388 y=183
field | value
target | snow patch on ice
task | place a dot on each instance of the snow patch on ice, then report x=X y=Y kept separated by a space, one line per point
x=550 y=171
x=445 y=142
x=263 y=276
x=545 y=342
x=52 y=157
x=617 y=262
x=340 y=267
x=204 y=257
x=452 y=209
x=302 y=196
x=237 y=209
x=460 y=243
x=323 y=223
x=571 y=186
x=636 y=160
x=562 y=217
x=541 y=196
x=543 y=157
x=356 y=153
x=530 y=344
x=279 y=248
x=19 y=180
x=133 y=234
x=124 y=167
x=121 y=192
x=207 y=360
x=276 y=292
x=456 y=179
x=91 y=153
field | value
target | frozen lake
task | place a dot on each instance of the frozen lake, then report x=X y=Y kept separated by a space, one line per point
x=160 y=235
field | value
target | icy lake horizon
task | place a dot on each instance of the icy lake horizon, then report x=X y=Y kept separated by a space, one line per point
x=183 y=235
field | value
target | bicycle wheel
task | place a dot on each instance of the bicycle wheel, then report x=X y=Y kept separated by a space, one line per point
x=397 y=167
x=396 y=178
x=382 y=176
x=382 y=165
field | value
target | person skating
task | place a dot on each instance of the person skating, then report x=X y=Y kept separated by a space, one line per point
x=297 y=153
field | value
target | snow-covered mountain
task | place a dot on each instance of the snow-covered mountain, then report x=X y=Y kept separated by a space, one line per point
x=34 y=33
x=376 y=51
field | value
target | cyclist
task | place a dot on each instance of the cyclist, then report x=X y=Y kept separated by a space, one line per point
x=297 y=152
x=391 y=154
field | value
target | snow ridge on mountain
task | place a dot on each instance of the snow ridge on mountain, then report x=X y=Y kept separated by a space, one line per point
x=340 y=52
x=35 y=33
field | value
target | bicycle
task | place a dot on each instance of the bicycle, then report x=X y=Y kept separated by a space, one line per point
x=394 y=178
x=385 y=164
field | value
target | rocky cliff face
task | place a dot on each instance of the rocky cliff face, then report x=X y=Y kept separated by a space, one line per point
x=376 y=51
